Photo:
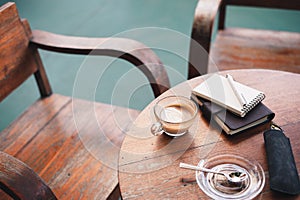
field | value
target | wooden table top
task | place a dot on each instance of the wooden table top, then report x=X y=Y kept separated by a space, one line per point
x=149 y=165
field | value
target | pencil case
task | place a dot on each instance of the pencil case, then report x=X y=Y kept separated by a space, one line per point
x=281 y=164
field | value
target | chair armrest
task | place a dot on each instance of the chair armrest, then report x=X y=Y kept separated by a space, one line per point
x=21 y=182
x=204 y=18
x=130 y=50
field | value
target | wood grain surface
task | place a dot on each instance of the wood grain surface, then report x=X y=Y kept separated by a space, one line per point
x=66 y=152
x=238 y=48
x=149 y=165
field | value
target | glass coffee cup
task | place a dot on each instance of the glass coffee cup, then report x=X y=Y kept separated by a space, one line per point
x=174 y=115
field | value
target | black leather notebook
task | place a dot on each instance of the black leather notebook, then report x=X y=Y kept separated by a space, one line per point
x=230 y=122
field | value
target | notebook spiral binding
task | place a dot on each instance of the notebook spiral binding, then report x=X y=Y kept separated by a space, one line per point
x=254 y=102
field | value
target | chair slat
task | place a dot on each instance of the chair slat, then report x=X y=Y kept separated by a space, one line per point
x=246 y=48
x=27 y=125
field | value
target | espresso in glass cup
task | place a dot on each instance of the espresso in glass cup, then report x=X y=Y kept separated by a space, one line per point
x=174 y=115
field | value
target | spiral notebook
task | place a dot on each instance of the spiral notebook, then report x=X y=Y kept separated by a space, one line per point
x=218 y=90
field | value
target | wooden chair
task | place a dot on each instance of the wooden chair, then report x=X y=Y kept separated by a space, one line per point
x=45 y=136
x=20 y=181
x=240 y=47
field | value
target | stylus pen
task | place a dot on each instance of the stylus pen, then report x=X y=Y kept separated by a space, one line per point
x=239 y=95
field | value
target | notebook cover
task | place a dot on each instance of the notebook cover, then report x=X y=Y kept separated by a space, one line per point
x=217 y=89
x=235 y=122
x=232 y=121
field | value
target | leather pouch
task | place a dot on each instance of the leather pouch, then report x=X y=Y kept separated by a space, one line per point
x=282 y=168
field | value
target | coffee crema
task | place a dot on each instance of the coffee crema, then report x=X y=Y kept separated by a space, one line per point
x=176 y=118
x=176 y=113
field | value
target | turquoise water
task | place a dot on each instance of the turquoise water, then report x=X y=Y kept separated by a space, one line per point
x=170 y=22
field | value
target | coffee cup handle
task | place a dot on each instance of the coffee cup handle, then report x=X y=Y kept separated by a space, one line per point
x=156 y=129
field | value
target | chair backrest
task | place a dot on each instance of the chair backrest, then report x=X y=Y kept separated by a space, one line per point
x=287 y=4
x=18 y=58
x=278 y=4
x=21 y=182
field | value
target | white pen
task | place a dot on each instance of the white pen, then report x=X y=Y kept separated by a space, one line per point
x=239 y=95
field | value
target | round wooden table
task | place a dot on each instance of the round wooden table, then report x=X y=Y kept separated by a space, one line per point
x=149 y=165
